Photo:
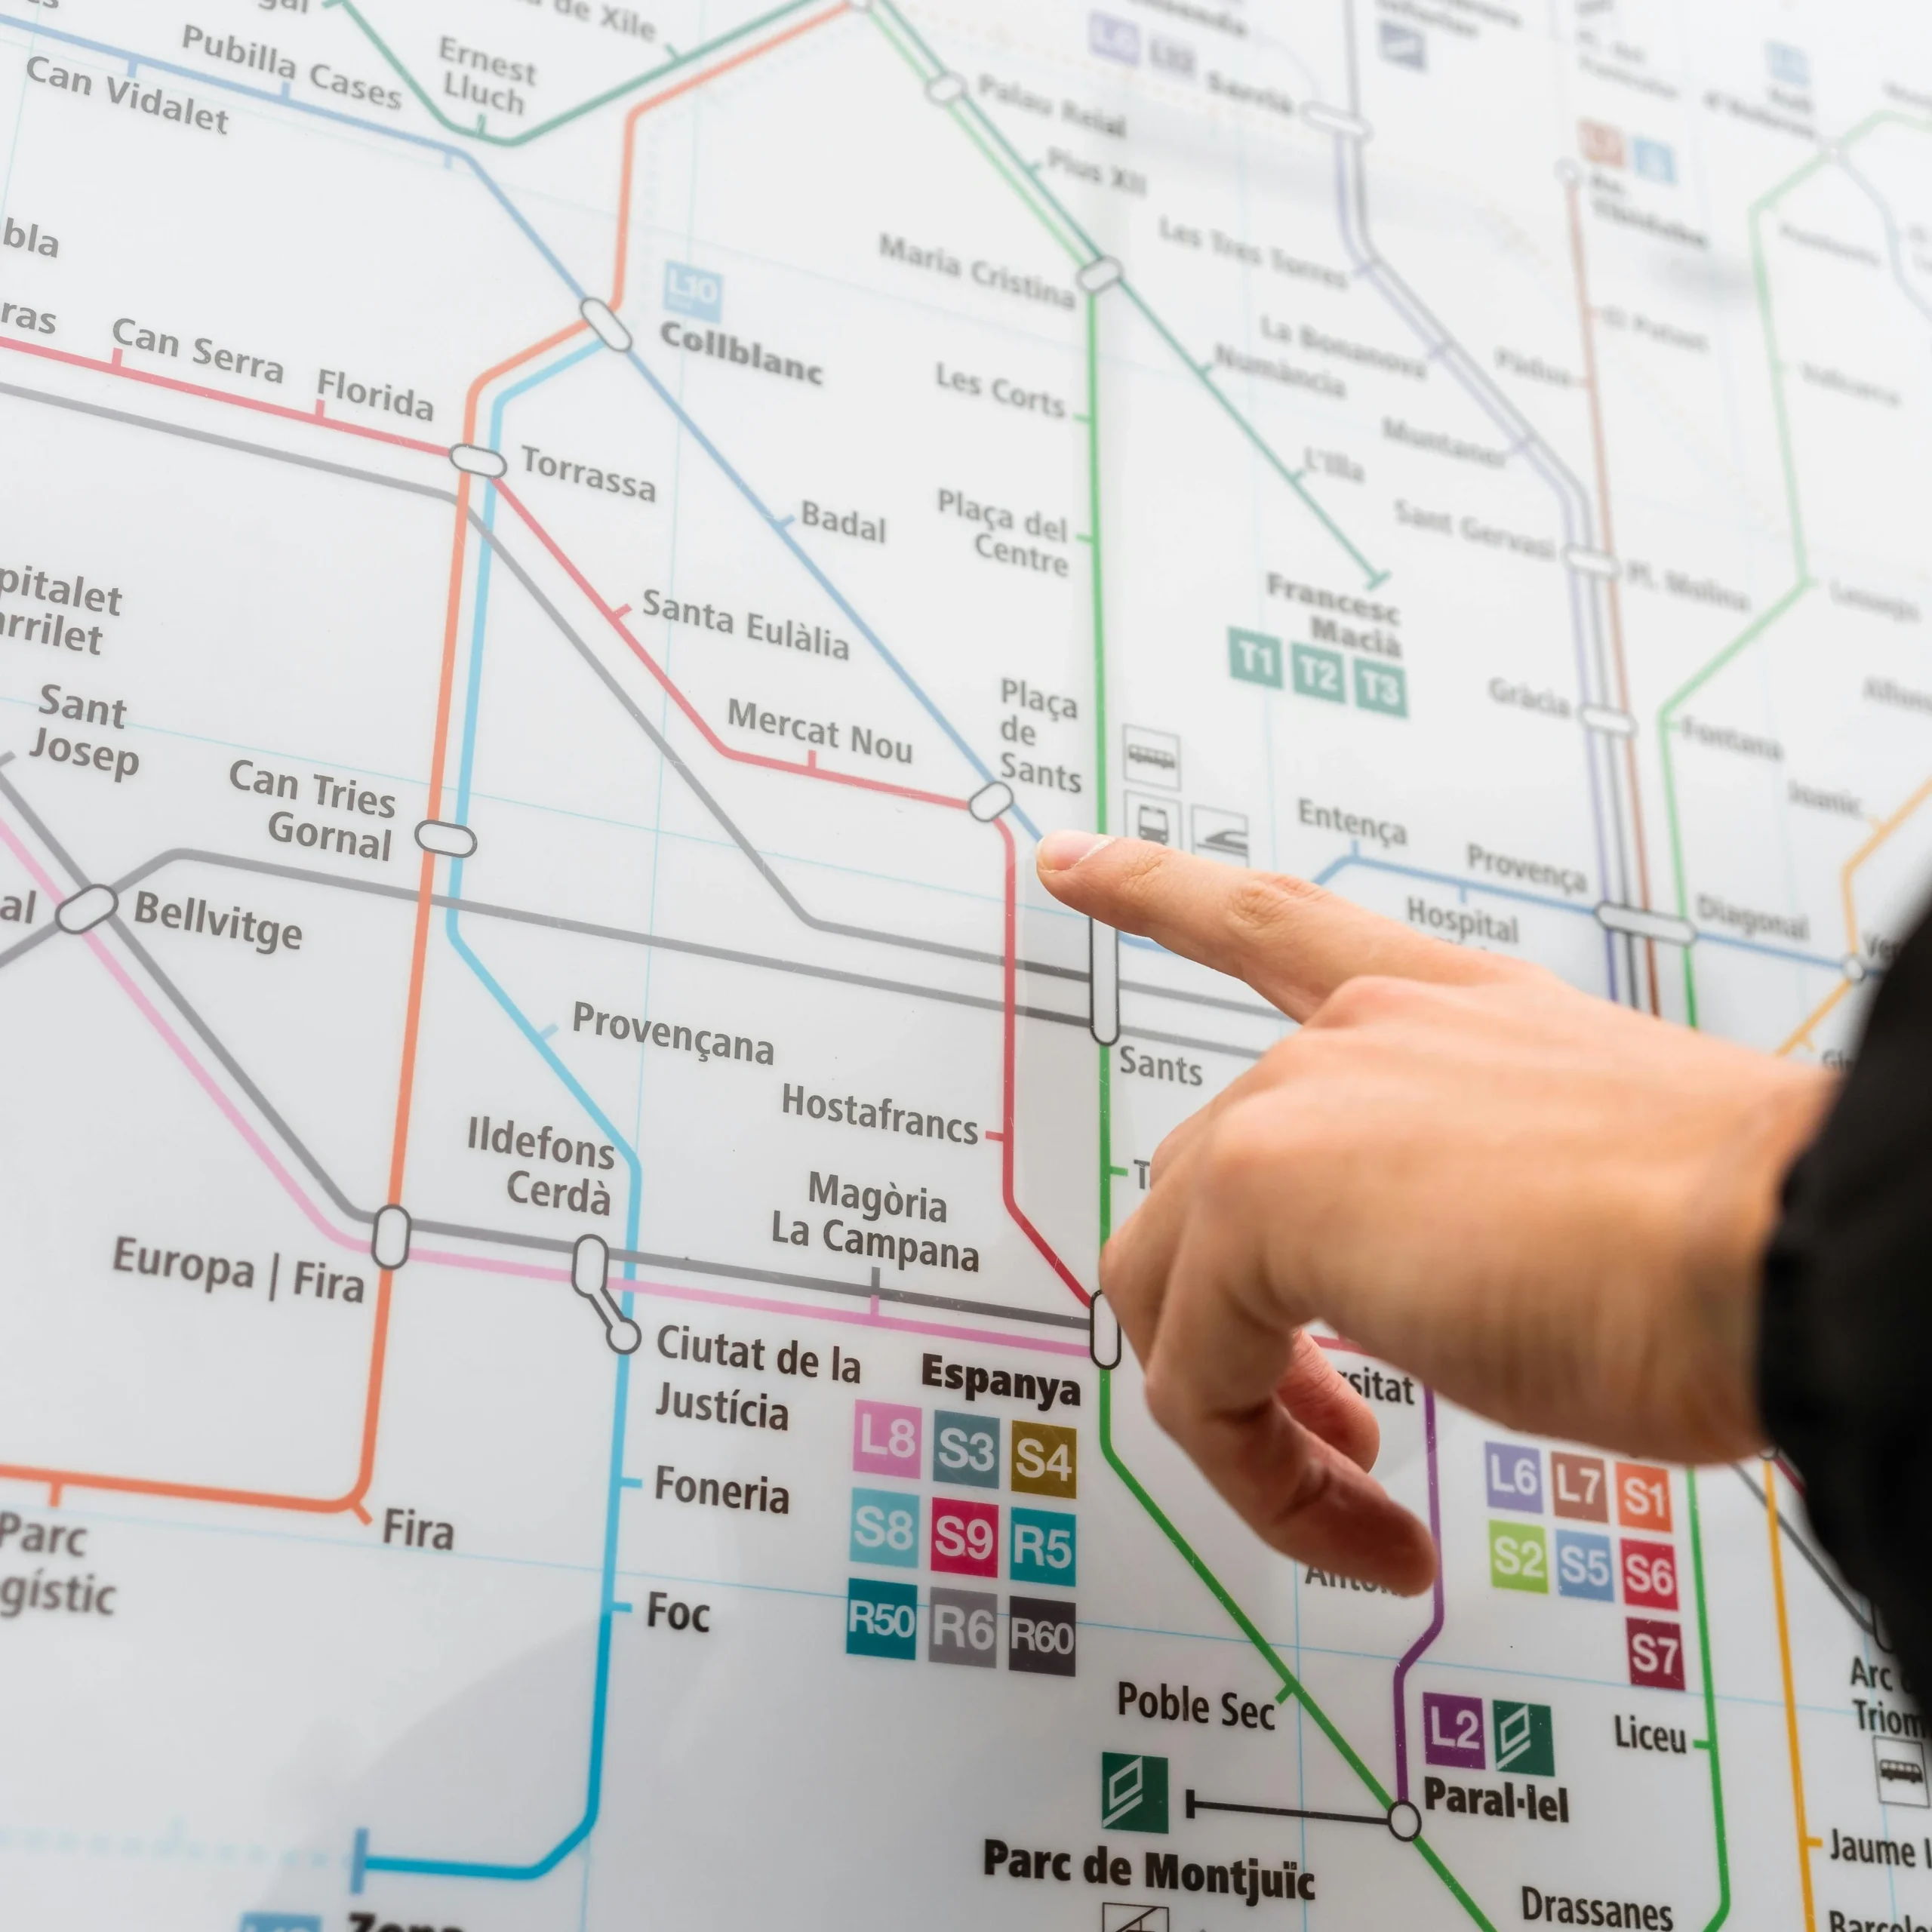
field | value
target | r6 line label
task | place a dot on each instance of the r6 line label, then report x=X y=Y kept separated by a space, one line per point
x=964 y=1628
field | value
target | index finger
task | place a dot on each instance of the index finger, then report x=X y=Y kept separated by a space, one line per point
x=1292 y=942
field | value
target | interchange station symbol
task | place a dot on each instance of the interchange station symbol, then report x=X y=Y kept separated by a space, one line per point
x=1161 y=1911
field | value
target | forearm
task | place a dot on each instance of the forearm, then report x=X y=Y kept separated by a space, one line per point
x=1844 y=1357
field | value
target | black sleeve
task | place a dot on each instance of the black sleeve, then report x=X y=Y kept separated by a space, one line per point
x=1845 y=1372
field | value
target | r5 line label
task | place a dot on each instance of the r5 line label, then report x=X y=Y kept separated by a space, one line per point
x=1044 y=1548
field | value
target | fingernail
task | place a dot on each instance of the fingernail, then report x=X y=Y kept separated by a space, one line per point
x=1061 y=851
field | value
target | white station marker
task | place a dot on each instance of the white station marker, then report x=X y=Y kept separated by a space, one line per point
x=1642 y=925
x=590 y=1277
x=1404 y=1820
x=1336 y=121
x=389 y=1240
x=989 y=801
x=1591 y=563
x=446 y=836
x=1855 y=969
x=1103 y=1341
x=86 y=909
x=942 y=90
x=1603 y=717
x=1102 y=272
x=478 y=460
x=609 y=332
x=1103 y=956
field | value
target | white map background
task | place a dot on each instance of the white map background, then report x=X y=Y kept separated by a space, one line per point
x=1475 y=455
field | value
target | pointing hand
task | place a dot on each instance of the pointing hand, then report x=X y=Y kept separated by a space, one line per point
x=1552 y=1208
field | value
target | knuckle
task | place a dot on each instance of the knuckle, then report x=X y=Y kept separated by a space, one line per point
x=1142 y=867
x=1165 y=1403
x=1281 y=1061
x=1371 y=997
x=1261 y=904
x=1113 y=1270
x=1306 y=1493
x=1321 y=1400
x=1248 y=1147
x=1122 y=1281
x=1172 y=1143
x=1476 y=968
x=1520 y=972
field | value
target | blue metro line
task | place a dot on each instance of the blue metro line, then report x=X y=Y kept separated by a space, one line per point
x=1459 y=885
x=362 y=1860
x=452 y=153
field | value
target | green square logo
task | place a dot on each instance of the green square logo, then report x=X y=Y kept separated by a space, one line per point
x=1133 y=1793
x=1518 y=1558
x=1381 y=687
x=1525 y=1740
x=1254 y=658
x=1318 y=673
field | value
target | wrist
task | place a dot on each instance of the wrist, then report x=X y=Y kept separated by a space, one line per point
x=1732 y=1213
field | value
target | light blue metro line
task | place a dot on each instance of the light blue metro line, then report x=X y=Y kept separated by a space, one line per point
x=1463 y=886
x=451 y=152
x=40 y=30
x=363 y=1861
x=780 y=527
